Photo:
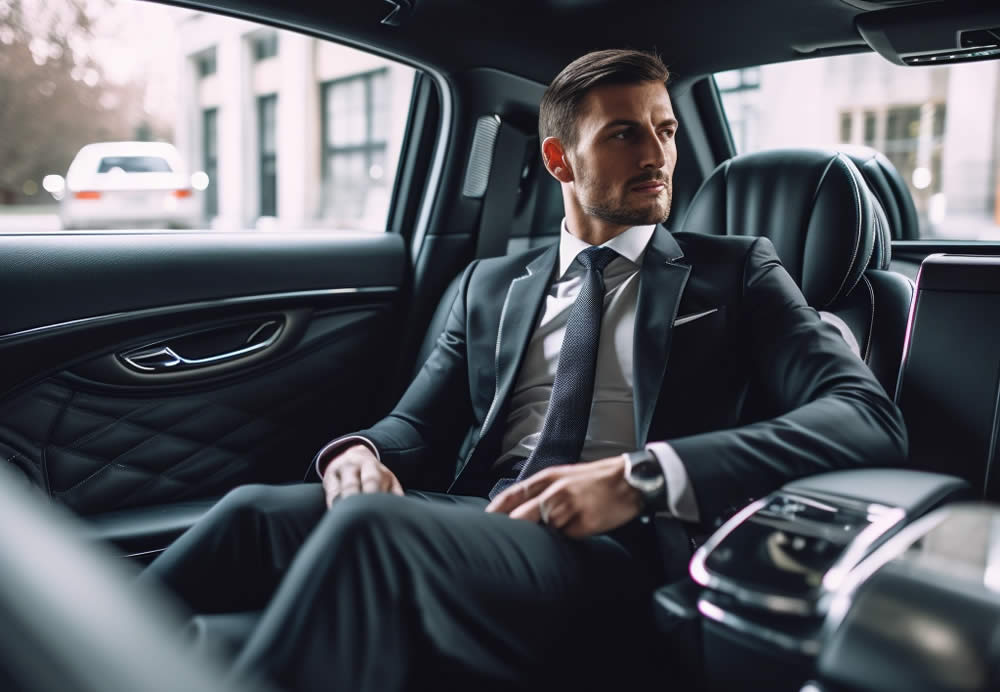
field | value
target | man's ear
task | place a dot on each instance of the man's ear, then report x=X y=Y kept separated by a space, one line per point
x=556 y=161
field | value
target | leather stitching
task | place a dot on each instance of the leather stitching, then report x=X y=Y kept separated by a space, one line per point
x=237 y=454
x=857 y=233
x=200 y=445
x=811 y=210
x=871 y=321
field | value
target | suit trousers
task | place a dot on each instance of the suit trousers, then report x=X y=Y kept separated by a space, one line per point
x=383 y=592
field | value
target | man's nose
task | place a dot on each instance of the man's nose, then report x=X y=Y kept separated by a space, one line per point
x=653 y=151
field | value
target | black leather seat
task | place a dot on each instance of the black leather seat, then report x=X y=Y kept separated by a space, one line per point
x=831 y=234
x=889 y=189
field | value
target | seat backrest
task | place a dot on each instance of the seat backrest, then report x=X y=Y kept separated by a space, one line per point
x=831 y=234
x=889 y=189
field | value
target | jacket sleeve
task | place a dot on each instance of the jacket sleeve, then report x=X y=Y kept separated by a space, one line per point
x=834 y=413
x=435 y=411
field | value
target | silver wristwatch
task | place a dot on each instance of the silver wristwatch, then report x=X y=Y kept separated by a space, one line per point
x=644 y=473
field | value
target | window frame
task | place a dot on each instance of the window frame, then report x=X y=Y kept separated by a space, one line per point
x=267 y=160
x=368 y=146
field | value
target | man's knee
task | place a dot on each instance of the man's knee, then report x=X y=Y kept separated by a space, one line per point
x=246 y=498
x=361 y=518
x=258 y=499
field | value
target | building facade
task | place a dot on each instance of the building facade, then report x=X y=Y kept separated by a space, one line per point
x=940 y=126
x=294 y=132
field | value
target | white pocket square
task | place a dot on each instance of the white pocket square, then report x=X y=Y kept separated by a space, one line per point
x=684 y=319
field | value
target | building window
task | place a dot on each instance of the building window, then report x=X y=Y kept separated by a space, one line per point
x=265 y=45
x=267 y=107
x=210 y=159
x=870 y=122
x=913 y=142
x=205 y=63
x=355 y=124
x=738 y=80
x=845 y=127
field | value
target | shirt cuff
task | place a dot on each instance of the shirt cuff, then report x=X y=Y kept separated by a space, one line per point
x=329 y=450
x=681 y=501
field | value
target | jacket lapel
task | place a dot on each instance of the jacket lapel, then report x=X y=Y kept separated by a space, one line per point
x=517 y=320
x=662 y=279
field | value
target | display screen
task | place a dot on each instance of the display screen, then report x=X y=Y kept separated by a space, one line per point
x=786 y=547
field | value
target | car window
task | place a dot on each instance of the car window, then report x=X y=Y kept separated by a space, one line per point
x=937 y=125
x=133 y=164
x=246 y=126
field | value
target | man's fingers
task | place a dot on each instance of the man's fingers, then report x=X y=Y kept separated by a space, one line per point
x=350 y=480
x=370 y=477
x=331 y=486
x=519 y=493
x=395 y=487
x=529 y=511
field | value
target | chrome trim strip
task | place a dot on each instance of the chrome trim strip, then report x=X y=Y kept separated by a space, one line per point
x=885 y=519
x=183 y=307
x=842 y=601
x=858 y=548
x=805 y=647
x=168 y=360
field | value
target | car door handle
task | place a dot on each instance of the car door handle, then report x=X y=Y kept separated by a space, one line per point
x=163 y=357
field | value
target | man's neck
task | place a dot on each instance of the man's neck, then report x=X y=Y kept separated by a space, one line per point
x=592 y=230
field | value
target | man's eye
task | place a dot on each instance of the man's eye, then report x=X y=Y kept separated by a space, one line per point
x=620 y=135
x=667 y=134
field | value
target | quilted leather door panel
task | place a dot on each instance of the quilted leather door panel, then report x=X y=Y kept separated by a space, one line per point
x=100 y=437
x=97 y=447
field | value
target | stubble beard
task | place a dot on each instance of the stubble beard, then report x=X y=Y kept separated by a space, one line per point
x=601 y=206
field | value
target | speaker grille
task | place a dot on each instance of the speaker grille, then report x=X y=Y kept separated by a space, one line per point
x=477 y=173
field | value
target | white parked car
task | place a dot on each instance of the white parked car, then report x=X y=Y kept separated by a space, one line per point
x=129 y=185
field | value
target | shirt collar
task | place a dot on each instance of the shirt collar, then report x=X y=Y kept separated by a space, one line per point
x=630 y=244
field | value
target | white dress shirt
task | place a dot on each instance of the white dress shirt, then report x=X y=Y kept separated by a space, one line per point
x=611 y=430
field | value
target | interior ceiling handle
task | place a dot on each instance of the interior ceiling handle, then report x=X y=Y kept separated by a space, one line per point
x=162 y=358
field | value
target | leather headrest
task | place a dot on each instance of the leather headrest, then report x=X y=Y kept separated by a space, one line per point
x=812 y=204
x=889 y=189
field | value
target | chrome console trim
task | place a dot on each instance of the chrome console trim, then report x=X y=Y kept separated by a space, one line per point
x=883 y=520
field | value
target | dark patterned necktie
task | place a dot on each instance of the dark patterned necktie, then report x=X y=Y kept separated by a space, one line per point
x=568 y=413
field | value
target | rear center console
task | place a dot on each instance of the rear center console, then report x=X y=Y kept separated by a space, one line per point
x=768 y=576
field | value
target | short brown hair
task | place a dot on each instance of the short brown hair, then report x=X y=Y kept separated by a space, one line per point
x=560 y=104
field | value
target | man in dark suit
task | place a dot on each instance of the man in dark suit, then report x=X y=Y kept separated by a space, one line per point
x=594 y=382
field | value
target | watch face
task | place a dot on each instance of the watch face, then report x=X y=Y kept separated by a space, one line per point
x=645 y=473
x=647 y=470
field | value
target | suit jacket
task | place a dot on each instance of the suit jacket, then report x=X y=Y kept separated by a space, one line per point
x=751 y=396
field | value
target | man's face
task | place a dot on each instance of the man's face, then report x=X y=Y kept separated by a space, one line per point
x=624 y=156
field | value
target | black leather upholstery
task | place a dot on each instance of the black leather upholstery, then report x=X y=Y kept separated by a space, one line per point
x=813 y=205
x=889 y=189
x=98 y=448
x=831 y=234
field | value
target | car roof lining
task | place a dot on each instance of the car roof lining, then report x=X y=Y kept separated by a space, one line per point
x=550 y=33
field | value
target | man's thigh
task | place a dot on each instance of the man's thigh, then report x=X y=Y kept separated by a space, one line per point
x=235 y=556
x=495 y=596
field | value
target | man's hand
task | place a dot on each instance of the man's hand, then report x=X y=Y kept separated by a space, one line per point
x=579 y=499
x=357 y=470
